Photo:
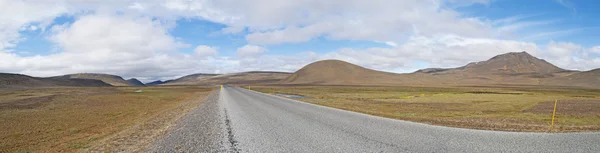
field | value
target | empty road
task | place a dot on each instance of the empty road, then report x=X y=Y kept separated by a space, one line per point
x=239 y=120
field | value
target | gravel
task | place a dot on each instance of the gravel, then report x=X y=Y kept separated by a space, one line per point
x=248 y=121
x=202 y=130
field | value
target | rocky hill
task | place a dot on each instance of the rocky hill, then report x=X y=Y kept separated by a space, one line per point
x=19 y=81
x=135 y=82
x=107 y=78
x=254 y=77
x=516 y=68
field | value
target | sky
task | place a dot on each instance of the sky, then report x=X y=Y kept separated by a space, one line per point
x=166 y=39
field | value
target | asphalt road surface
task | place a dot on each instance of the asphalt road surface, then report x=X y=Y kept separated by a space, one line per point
x=239 y=120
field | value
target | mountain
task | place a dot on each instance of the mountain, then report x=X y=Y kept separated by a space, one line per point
x=341 y=73
x=135 y=82
x=190 y=79
x=107 y=78
x=18 y=81
x=154 y=83
x=516 y=68
x=514 y=63
x=253 y=77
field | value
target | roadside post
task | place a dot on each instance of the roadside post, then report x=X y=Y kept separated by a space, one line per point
x=553 y=113
x=221 y=87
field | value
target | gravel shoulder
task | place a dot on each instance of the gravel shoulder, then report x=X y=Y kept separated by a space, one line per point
x=203 y=129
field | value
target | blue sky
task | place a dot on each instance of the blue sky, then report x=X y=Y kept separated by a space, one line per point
x=168 y=39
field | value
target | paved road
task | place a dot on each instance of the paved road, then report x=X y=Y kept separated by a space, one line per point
x=247 y=121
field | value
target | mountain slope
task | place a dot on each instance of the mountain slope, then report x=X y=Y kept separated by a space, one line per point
x=254 y=77
x=510 y=68
x=8 y=80
x=191 y=79
x=513 y=63
x=339 y=73
x=516 y=68
x=107 y=78
x=135 y=82
x=582 y=79
x=154 y=83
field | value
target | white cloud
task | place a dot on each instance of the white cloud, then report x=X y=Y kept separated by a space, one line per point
x=250 y=50
x=109 y=44
x=204 y=51
x=595 y=49
x=17 y=15
x=131 y=38
x=380 y=20
x=572 y=56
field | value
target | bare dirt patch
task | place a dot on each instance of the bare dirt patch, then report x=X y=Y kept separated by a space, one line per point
x=27 y=103
x=568 y=107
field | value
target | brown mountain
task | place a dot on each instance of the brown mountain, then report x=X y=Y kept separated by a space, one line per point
x=107 y=78
x=19 y=81
x=135 y=82
x=336 y=72
x=517 y=68
x=582 y=79
x=157 y=82
x=243 y=78
x=189 y=79
x=509 y=63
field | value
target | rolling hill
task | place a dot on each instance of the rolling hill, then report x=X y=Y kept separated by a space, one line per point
x=336 y=72
x=135 y=82
x=19 y=81
x=107 y=78
x=157 y=82
x=582 y=79
x=516 y=68
x=191 y=79
x=243 y=78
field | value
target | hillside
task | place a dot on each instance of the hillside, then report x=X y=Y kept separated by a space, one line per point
x=583 y=79
x=107 y=78
x=17 y=81
x=154 y=83
x=190 y=79
x=254 y=77
x=340 y=72
x=517 y=68
x=135 y=82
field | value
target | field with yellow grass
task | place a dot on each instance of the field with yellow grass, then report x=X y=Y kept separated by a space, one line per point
x=90 y=119
x=522 y=108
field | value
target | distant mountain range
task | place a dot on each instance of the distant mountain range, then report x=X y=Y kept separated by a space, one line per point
x=253 y=77
x=507 y=69
x=517 y=68
x=18 y=81
x=113 y=80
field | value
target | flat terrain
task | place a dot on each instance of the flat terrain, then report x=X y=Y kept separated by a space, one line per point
x=246 y=121
x=93 y=119
x=522 y=108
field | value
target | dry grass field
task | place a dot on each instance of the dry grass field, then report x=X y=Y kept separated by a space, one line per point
x=93 y=119
x=489 y=108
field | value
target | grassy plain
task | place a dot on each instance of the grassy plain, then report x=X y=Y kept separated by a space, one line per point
x=489 y=108
x=76 y=119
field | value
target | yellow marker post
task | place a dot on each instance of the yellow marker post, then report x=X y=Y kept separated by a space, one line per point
x=248 y=87
x=221 y=87
x=553 y=113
